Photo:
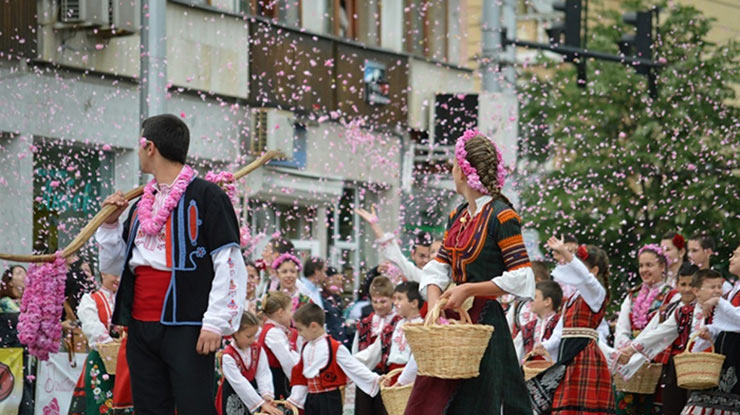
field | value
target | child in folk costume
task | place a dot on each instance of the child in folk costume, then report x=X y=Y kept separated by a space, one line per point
x=279 y=341
x=725 y=328
x=274 y=248
x=520 y=313
x=93 y=393
x=638 y=308
x=183 y=280
x=542 y=334
x=674 y=334
x=484 y=253
x=324 y=367
x=245 y=370
x=287 y=267
x=579 y=382
x=382 y=320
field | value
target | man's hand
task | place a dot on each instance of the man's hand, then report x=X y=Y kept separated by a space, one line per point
x=118 y=200
x=208 y=342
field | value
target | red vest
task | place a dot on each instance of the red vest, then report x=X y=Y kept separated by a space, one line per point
x=365 y=336
x=331 y=377
x=684 y=317
x=386 y=338
x=105 y=313
x=271 y=359
x=578 y=314
x=528 y=332
x=249 y=372
x=735 y=300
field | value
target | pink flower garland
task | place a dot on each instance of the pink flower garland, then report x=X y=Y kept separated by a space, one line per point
x=286 y=257
x=39 y=324
x=641 y=307
x=471 y=174
x=655 y=249
x=152 y=225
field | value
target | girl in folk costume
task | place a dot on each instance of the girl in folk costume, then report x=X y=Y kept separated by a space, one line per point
x=725 y=329
x=673 y=335
x=93 y=393
x=245 y=368
x=287 y=267
x=579 y=382
x=279 y=341
x=638 y=308
x=674 y=247
x=484 y=253
x=274 y=248
x=543 y=333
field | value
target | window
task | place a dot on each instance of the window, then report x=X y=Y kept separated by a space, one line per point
x=283 y=11
x=416 y=30
x=344 y=18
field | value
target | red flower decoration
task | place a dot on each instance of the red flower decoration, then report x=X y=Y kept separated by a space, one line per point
x=582 y=253
x=678 y=241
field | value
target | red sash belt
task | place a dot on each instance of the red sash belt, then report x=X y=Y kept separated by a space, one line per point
x=150 y=288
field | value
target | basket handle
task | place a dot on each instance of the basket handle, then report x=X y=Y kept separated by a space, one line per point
x=692 y=339
x=287 y=404
x=434 y=313
x=388 y=376
x=530 y=354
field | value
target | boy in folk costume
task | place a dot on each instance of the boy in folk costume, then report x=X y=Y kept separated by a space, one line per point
x=520 y=313
x=93 y=393
x=383 y=319
x=579 y=382
x=183 y=282
x=675 y=332
x=542 y=334
x=324 y=367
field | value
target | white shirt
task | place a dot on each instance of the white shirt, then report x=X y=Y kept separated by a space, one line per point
x=519 y=282
x=551 y=344
x=623 y=330
x=376 y=328
x=726 y=316
x=95 y=330
x=400 y=352
x=230 y=273
x=587 y=286
x=310 y=290
x=279 y=344
x=241 y=385
x=316 y=357
x=408 y=376
x=389 y=249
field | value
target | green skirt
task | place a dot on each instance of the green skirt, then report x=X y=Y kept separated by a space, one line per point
x=93 y=393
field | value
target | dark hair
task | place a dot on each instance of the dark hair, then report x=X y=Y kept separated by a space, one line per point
x=570 y=239
x=309 y=313
x=553 y=291
x=702 y=275
x=282 y=245
x=411 y=289
x=249 y=263
x=597 y=258
x=687 y=270
x=484 y=158
x=312 y=265
x=169 y=134
x=541 y=271
x=381 y=286
x=706 y=241
x=332 y=271
x=248 y=320
x=661 y=256
x=6 y=289
x=423 y=238
x=275 y=301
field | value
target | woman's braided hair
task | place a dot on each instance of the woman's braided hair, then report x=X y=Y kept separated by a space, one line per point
x=483 y=156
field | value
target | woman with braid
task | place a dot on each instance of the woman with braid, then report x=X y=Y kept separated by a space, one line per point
x=483 y=253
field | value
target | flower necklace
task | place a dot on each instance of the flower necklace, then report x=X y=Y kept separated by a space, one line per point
x=152 y=224
x=641 y=308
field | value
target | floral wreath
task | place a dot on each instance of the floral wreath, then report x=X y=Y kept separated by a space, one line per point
x=286 y=257
x=678 y=241
x=471 y=174
x=656 y=249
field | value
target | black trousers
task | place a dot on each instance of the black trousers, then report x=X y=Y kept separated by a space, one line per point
x=167 y=372
x=325 y=403
x=367 y=405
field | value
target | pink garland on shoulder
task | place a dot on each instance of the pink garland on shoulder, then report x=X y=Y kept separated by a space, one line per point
x=471 y=174
x=151 y=225
x=286 y=257
x=641 y=307
x=39 y=324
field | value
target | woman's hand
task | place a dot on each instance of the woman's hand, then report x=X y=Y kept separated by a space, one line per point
x=455 y=297
x=625 y=355
x=560 y=252
x=371 y=218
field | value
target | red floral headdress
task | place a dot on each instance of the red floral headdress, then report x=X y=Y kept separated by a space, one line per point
x=582 y=252
x=678 y=241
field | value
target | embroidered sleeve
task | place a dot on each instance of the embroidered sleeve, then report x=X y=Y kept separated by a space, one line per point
x=510 y=240
x=228 y=292
x=92 y=327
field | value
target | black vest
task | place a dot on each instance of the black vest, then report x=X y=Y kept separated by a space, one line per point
x=203 y=222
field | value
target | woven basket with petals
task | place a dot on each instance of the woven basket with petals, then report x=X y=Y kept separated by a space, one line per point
x=644 y=381
x=395 y=397
x=697 y=371
x=533 y=368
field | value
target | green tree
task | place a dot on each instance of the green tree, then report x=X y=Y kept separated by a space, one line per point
x=618 y=169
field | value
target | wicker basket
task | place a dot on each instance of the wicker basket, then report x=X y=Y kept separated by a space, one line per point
x=287 y=407
x=697 y=371
x=395 y=397
x=644 y=381
x=450 y=351
x=109 y=355
x=533 y=368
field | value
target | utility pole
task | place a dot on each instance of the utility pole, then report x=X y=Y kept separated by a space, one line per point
x=492 y=47
x=508 y=15
x=153 y=62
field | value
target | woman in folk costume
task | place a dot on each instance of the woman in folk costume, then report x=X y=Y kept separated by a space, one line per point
x=579 y=382
x=484 y=254
x=638 y=308
x=93 y=393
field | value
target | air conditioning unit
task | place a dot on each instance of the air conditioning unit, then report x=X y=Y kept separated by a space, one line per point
x=124 y=17
x=84 y=12
x=272 y=129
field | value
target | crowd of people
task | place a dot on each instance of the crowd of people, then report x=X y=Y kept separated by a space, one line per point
x=203 y=330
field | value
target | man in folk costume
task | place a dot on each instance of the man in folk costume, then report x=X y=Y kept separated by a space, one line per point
x=183 y=282
x=93 y=393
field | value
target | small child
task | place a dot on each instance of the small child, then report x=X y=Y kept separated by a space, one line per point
x=533 y=336
x=279 y=340
x=245 y=369
x=382 y=319
x=323 y=368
